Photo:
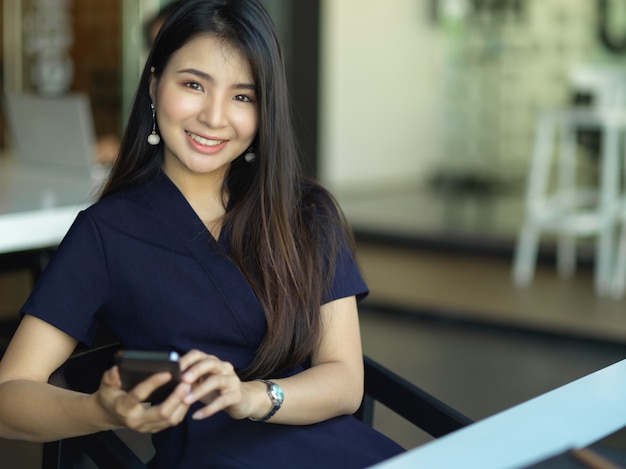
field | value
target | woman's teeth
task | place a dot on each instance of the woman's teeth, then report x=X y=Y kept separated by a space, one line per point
x=204 y=141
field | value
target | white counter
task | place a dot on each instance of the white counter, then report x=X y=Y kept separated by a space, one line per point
x=38 y=207
x=572 y=416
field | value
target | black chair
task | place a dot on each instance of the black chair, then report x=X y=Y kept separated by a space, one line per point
x=83 y=372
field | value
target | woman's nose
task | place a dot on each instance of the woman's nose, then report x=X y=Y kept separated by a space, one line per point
x=213 y=113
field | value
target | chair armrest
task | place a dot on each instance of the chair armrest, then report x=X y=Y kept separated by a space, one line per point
x=106 y=449
x=407 y=400
x=83 y=372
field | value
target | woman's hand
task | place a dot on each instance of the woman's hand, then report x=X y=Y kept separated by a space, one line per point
x=214 y=383
x=128 y=408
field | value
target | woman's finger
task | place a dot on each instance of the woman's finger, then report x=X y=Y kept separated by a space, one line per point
x=111 y=378
x=210 y=366
x=193 y=357
x=142 y=391
x=156 y=418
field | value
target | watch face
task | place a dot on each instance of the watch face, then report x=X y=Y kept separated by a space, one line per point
x=277 y=393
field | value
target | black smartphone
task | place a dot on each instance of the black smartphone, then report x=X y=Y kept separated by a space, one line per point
x=136 y=366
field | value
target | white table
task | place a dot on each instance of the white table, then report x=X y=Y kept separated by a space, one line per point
x=572 y=416
x=37 y=207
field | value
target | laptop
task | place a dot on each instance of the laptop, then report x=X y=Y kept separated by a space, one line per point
x=51 y=134
x=51 y=143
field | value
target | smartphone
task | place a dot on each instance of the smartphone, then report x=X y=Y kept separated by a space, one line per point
x=136 y=366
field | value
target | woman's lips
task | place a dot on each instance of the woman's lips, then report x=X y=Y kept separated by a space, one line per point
x=205 y=145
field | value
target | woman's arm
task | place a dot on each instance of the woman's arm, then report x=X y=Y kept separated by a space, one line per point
x=31 y=409
x=332 y=386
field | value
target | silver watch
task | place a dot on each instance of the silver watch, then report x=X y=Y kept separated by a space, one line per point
x=275 y=392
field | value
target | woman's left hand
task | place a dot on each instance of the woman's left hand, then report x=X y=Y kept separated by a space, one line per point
x=214 y=383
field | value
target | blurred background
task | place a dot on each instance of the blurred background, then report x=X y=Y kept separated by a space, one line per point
x=422 y=117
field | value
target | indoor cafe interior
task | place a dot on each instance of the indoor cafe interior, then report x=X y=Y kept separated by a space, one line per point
x=476 y=147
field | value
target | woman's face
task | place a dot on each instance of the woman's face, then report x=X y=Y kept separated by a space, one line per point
x=206 y=108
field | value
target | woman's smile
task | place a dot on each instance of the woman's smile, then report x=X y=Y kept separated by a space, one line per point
x=204 y=144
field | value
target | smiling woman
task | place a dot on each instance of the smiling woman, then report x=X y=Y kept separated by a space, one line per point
x=238 y=263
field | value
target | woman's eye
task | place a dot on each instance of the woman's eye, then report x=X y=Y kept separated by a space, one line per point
x=243 y=98
x=193 y=85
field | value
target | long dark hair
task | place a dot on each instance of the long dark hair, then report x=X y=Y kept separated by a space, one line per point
x=282 y=229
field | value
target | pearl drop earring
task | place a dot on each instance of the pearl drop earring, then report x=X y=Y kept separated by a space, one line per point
x=250 y=156
x=153 y=138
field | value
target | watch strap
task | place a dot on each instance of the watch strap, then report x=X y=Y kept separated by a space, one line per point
x=275 y=393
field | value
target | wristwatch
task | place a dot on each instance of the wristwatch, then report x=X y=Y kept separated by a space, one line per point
x=276 y=395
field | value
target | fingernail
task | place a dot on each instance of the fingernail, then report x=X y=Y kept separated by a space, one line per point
x=197 y=415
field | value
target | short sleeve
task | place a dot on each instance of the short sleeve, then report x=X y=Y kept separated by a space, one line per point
x=72 y=289
x=347 y=278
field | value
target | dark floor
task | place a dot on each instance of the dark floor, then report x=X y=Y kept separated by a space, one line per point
x=449 y=320
x=477 y=370
x=444 y=313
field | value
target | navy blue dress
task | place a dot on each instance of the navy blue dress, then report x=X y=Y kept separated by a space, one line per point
x=142 y=263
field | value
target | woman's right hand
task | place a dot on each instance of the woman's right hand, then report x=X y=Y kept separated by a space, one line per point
x=128 y=409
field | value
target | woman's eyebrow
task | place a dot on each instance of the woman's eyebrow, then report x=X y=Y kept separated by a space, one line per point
x=208 y=77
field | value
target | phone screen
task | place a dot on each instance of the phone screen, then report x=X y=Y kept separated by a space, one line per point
x=136 y=366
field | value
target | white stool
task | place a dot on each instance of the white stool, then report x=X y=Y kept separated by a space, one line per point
x=605 y=83
x=569 y=210
x=618 y=284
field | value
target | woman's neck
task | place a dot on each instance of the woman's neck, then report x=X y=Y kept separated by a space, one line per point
x=204 y=193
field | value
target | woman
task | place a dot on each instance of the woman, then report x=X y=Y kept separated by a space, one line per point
x=206 y=242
